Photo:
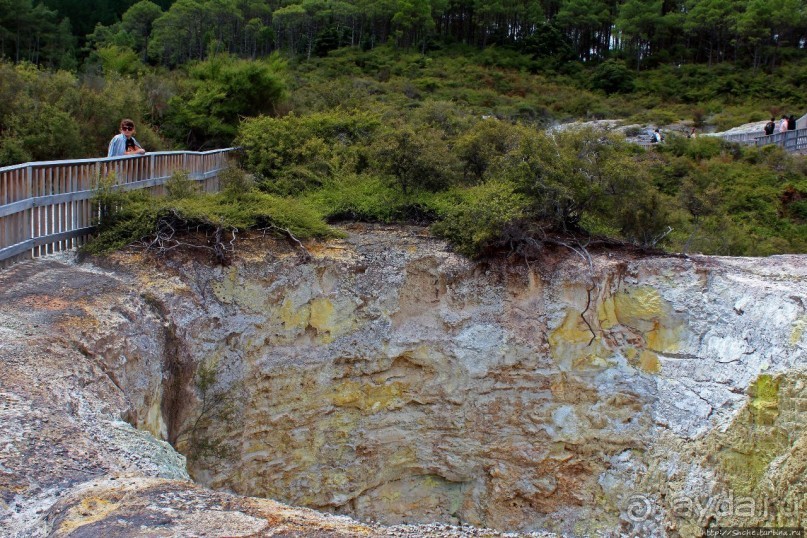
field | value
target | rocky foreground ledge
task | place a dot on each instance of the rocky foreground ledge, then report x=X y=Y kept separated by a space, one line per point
x=650 y=397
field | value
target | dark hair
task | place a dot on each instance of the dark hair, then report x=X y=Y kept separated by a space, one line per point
x=126 y=123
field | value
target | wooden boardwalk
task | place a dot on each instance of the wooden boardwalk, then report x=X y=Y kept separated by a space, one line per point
x=793 y=141
x=46 y=207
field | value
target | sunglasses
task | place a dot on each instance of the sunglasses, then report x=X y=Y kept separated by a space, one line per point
x=127 y=128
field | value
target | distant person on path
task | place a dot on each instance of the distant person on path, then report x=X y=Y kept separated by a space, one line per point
x=783 y=124
x=791 y=123
x=770 y=127
x=657 y=138
x=125 y=142
x=693 y=133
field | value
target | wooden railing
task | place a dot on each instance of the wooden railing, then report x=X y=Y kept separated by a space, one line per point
x=741 y=138
x=792 y=141
x=46 y=207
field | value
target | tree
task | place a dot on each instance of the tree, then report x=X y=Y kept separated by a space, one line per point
x=712 y=21
x=34 y=34
x=138 y=21
x=288 y=23
x=219 y=92
x=180 y=34
x=413 y=22
x=588 y=23
x=639 y=21
x=84 y=15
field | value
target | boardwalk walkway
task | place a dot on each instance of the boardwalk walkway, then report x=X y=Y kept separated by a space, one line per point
x=47 y=207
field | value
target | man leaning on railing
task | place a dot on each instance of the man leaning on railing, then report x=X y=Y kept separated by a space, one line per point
x=125 y=143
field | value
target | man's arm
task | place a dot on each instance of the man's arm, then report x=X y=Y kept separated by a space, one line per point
x=140 y=149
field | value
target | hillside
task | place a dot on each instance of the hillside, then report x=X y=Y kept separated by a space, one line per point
x=444 y=139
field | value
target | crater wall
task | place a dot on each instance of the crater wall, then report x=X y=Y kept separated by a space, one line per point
x=391 y=380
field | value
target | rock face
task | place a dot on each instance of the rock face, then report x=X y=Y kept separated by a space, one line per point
x=391 y=380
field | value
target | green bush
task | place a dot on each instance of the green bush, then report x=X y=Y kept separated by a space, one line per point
x=613 y=76
x=129 y=217
x=217 y=93
x=442 y=115
x=12 y=152
x=294 y=153
x=44 y=132
x=124 y=217
x=489 y=140
x=368 y=198
x=570 y=173
x=233 y=181
x=252 y=210
x=473 y=219
x=415 y=160
x=180 y=185
x=50 y=115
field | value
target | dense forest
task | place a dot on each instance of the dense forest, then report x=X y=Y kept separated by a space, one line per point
x=444 y=113
x=644 y=33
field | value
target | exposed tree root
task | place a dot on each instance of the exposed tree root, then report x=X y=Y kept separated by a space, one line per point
x=304 y=253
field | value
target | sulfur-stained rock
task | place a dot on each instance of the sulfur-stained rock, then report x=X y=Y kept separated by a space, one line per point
x=392 y=380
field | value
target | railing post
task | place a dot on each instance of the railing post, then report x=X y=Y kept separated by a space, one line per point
x=27 y=219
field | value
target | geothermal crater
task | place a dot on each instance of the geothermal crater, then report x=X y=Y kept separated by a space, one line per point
x=388 y=379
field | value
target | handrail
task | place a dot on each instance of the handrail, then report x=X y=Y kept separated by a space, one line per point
x=741 y=138
x=108 y=159
x=792 y=141
x=46 y=206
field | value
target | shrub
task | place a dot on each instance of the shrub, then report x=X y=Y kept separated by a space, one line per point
x=571 y=173
x=294 y=153
x=13 y=152
x=180 y=185
x=474 y=218
x=252 y=210
x=218 y=92
x=44 y=132
x=367 y=198
x=415 y=159
x=123 y=216
x=697 y=149
x=233 y=181
x=128 y=217
x=442 y=115
x=645 y=220
x=613 y=76
x=486 y=142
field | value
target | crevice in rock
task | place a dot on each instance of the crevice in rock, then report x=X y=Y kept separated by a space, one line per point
x=178 y=372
